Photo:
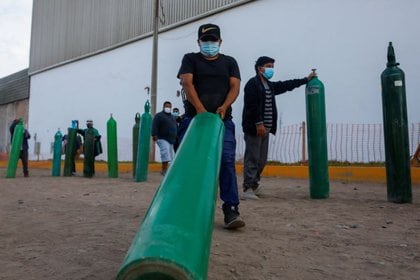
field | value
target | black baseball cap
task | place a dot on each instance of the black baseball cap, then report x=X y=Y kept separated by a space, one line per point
x=209 y=31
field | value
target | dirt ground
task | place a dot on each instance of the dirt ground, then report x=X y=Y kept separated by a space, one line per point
x=78 y=228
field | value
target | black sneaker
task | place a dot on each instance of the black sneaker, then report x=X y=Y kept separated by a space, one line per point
x=232 y=218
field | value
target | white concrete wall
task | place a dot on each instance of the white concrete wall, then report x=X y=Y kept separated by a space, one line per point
x=345 y=40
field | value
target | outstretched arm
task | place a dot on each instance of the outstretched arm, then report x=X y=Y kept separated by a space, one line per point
x=289 y=85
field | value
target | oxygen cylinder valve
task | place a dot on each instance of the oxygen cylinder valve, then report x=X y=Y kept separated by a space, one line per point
x=147 y=107
x=391 y=56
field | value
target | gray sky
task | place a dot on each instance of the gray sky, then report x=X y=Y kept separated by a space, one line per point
x=15 y=33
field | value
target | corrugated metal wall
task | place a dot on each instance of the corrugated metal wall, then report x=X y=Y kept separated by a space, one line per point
x=9 y=112
x=64 y=30
x=14 y=87
x=14 y=96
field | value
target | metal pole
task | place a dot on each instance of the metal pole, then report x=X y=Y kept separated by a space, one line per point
x=154 y=56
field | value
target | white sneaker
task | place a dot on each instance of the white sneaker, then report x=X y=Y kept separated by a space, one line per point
x=249 y=194
x=258 y=191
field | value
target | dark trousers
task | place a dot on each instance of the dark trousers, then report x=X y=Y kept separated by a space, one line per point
x=256 y=150
x=24 y=157
x=227 y=178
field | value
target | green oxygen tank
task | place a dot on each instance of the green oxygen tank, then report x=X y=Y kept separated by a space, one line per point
x=317 y=139
x=89 y=150
x=17 y=141
x=56 y=164
x=397 y=154
x=173 y=241
x=144 y=145
x=70 y=151
x=111 y=128
x=136 y=128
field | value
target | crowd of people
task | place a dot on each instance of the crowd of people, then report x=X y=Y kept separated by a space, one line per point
x=210 y=82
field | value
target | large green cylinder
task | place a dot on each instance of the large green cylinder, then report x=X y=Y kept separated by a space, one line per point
x=70 y=152
x=136 y=128
x=173 y=242
x=397 y=154
x=17 y=141
x=56 y=164
x=88 y=151
x=143 y=145
x=317 y=139
x=111 y=128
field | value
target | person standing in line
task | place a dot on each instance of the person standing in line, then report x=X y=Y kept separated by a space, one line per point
x=178 y=119
x=97 y=148
x=23 y=155
x=259 y=119
x=211 y=82
x=176 y=115
x=164 y=133
x=78 y=149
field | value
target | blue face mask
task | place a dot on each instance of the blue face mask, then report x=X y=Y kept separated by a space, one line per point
x=175 y=114
x=268 y=73
x=209 y=49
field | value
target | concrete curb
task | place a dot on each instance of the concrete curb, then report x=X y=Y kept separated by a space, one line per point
x=344 y=173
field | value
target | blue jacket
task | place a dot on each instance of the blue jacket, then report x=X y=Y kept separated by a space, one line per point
x=164 y=127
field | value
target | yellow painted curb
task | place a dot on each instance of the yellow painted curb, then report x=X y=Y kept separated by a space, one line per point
x=123 y=167
x=345 y=173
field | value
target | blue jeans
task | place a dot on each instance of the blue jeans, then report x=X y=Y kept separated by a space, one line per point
x=227 y=177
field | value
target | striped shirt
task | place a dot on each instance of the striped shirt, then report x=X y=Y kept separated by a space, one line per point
x=268 y=108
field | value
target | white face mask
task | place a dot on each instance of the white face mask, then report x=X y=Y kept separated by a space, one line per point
x=167 y=110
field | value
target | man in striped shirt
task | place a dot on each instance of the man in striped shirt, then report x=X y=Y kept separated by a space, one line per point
x=259 y=118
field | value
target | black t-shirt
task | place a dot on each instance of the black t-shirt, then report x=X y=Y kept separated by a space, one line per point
x=210 y=79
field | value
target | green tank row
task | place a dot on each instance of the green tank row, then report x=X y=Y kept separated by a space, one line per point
x=173 y=241
x=395 y=133
x=89 y=146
